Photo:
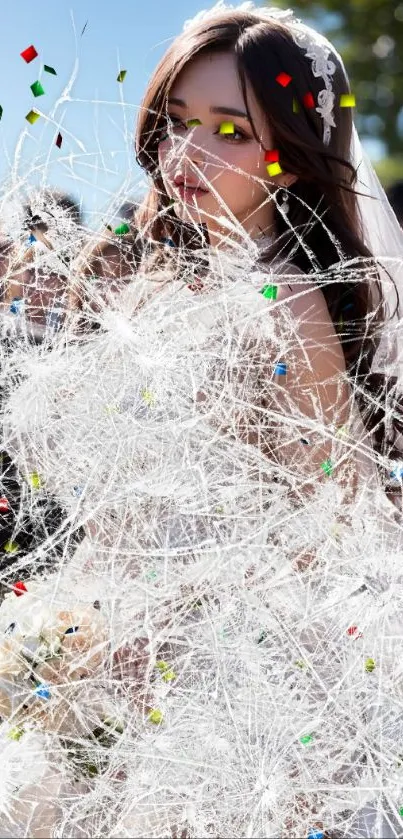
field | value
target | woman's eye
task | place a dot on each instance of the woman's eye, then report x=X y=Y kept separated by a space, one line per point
x=172 y=124
x=234 y=136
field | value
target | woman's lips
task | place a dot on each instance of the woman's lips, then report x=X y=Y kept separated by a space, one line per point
x=187 y=193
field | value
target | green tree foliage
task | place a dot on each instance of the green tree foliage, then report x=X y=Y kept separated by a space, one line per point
x=369 y=36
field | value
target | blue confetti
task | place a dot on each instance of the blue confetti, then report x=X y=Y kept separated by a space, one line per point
x=280 y=369
x=43 y=692
x=17 y=305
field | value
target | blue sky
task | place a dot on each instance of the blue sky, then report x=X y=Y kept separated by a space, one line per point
x=97 y=122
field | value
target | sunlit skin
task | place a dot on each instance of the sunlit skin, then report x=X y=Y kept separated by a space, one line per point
x=228 y=163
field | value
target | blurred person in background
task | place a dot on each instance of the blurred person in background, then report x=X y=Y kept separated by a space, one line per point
x=37 y=289
x=395 y=196
x=104 y=269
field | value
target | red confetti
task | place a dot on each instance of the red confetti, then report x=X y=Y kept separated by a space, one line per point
x=284 y=79
x=352 y=630
x=197 y=285
x=29 y=54
x=308 y=100
x=19 y=588
x=59 y=140
x=4 y=505
x=271 y=156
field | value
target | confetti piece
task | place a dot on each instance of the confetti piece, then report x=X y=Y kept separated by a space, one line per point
x=352 y=630
x=78 y=491
x=316 y=834
x=169 y=676
x=270 y=292
x=17 y=306
x=43 y=692
x=122 y=75
x=280 y=369
x=342 y=431
x=284 y=79
x=152 y=575
x=48 y=69
x=32 y=117
x=31 y=239
x=227 y=128
x=156 y=716
x=274 y=169
x=148 y=397
x=71 y=630
x=4 y=505
x=370 y=665
x=11 y=547
x=162 y=665
x=295 y=106
x=29 y=54
x=15 y=733
x=307 y=738
x=19 y=588
x=300 y=663
x=271 y=156
x=37 y=89
x=59 y=140
x=219 y=509
x=327 y=466
x=305 y=442
x=35 y=480
x=190 y=123
x=347 y=100
x=401 y=811
x=168 y=242
x=308 y=100
x=197 y=285
x=122 y=229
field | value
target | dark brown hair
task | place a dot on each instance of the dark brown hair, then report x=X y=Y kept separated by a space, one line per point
x=322 y=202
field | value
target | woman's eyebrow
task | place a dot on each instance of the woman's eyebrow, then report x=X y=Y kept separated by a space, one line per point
x=215 y=109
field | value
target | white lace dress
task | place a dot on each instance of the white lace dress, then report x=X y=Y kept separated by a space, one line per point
x=192 y=536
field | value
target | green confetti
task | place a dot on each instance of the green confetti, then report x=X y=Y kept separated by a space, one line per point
x=270 y=292
x=152 y=575
x=122 y=75
x=327 y=467
x=307 y=738
x=37 y=89
x=48 y=69
x=401 y=811
x=370 y=665
x=32 y=117
x=122 y=229
x=295 y=106
x=162 y=665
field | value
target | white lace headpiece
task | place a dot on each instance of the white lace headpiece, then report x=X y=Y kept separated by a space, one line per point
x=316 y=46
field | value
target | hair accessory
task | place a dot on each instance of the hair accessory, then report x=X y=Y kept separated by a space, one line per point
x=316 y=47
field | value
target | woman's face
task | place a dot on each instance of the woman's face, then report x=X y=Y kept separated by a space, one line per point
x=229 y=167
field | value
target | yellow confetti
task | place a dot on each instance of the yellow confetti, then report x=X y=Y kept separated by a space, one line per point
x=35 y=480
x=11 y=547
x=274 y=169
x=192 y=122
x=169 y=675
x=32 y=117
x=347 y=100
x=15 y=733
x=370 y=665
x=162 y=665
x=148 y=397
x=295 y=106
x=227 y=128
x=156 y=716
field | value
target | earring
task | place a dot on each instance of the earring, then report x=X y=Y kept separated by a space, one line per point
x=284 y=206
